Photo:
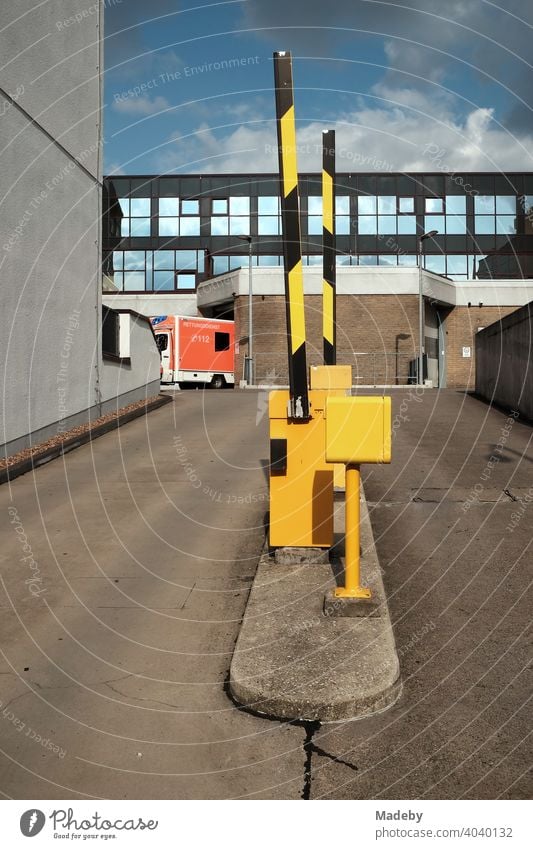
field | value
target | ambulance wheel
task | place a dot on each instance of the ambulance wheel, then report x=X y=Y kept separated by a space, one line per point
x=218 y=382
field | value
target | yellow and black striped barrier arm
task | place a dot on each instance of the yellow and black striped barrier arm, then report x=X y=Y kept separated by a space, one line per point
x=292 y=247
x=329 y=330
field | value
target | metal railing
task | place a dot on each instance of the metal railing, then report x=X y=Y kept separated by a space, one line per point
x=369 y=368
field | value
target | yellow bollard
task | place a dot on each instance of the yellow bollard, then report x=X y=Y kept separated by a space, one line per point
x=352 y=559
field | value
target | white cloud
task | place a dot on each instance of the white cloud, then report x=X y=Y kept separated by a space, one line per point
x=412 y=136
x=142 y=105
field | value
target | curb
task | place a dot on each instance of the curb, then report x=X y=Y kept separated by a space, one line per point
x=292 y=662
x=9 y=473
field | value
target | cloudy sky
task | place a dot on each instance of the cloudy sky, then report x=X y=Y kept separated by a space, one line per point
x=412 y=85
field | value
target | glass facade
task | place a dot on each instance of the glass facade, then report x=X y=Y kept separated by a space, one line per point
x=167 y=233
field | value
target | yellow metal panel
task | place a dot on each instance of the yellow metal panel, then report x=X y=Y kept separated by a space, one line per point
x=301 y=500
x=358 y=430
x=327 y=201
x=296 y=297
x=327 y=311
x=288 y=151
x=331 y=377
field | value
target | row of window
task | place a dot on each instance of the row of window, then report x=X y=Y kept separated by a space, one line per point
x=155 y=271
x=165 y=270
x=380 y=215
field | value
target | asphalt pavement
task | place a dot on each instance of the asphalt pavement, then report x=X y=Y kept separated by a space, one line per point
x=126 y=567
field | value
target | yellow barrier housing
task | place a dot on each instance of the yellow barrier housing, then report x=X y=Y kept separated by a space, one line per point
x=358 y=430
x=330 y=377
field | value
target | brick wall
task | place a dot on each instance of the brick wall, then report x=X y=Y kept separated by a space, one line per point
x=367 y=324
x=461 y=326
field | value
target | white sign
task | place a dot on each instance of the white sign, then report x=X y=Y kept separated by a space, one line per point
x=466 y=352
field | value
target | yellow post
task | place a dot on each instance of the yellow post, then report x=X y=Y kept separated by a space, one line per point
x=352 y=572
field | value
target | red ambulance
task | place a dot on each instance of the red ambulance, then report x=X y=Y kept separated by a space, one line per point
x=195 y=350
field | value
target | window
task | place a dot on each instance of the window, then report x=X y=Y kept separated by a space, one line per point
x=386 y=224
x=387 y=259
x=219 y=226
x=221 y=341
x=185 y=259
x=406 y=205
x=484 y=205
x=169 y=226
x=134 y=260
x=189 y=226
x=505 y=224
x=161 y=341
x=407 y=225
x=407 y=259
x=268 y=260
x=268 y=205
x=314 y=205
x=314 y=225
x=342 y=259
x=163 y=259
x=367 y=225
x=456 y=225
x=110 y=332
x=434 y=205
x=237 y=223
x=437 y=264
x=367 y=259
x=456 y=265
x=434 y=222
x=134 y=281
x=367 y=205
x=456 y=204
x=342 y=205
x=386 y=205
x=313 y=259
x=190 y=207
x=136 y=217
x=169 y=206
x=219 y=206
x=164 y=281
x=185 y=281
x=220 y=264
x=239 y=206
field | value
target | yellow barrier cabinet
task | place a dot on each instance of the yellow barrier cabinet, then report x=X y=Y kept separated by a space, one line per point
x=301 y=482
x=358 y=430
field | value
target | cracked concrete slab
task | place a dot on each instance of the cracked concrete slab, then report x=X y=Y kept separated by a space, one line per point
x=293 y=662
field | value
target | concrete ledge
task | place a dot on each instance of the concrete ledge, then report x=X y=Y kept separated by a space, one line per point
x=293 y=662
x=90 y=431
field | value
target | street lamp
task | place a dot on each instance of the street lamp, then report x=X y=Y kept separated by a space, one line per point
x=429 y=235
x=249 y=360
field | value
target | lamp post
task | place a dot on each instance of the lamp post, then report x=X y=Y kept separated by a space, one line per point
x=249 y=360
x=429 y=235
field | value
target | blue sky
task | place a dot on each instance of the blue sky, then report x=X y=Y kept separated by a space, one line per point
x=414 y=85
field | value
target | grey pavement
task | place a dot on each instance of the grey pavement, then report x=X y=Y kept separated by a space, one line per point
x=142 y=547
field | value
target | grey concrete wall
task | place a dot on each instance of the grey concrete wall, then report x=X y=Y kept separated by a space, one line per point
x=50 y=202
x=163 y=304
x=504 y=368
x=139 y=378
